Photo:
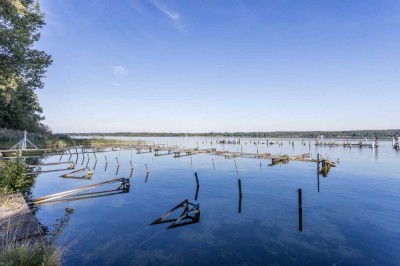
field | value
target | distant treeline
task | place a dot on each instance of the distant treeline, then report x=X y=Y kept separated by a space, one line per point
x=351 y=134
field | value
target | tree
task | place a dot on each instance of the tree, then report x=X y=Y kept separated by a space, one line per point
x=21 y=66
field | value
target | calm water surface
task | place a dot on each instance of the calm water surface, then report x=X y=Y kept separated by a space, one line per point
x=352 y=220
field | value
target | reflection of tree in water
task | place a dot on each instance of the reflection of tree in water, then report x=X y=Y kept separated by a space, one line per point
x=58 y=226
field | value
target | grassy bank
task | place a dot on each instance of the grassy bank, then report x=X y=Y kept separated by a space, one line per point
x=28 y=254
x=30 y=249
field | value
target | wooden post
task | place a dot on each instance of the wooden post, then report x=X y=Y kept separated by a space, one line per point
x=116 y=158
x=105 y=156
x=131 y=165
x=147 y=169
x=300 y=210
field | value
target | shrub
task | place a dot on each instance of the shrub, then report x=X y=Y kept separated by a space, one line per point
x=13 y=178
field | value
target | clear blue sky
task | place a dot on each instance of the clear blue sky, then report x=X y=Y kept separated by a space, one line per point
x=200 y=66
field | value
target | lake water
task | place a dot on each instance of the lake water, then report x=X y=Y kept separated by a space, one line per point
x=352 y=220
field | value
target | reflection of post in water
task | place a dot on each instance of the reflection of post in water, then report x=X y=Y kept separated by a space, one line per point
x=58 y=227
x=236 y=168
x=105 y=168
x=213 y=163
x=375 y=152
x=147 y=176
x=130 y=175
x=116 y=173
x=197 y=186
x=197 y=193
x=94 y=166
x=318 y=170
x=69 y=159
x=76 y=161
x=83 y=158
x=300 y=210
x=240 y=195
x=62 y=154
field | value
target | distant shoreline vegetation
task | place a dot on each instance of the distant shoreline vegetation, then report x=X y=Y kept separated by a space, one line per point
x=351 y=134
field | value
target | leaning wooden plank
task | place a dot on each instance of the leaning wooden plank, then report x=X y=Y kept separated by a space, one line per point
x=47 y=164
x=80 y=196
x=77 y=189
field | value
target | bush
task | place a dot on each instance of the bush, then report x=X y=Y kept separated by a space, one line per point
x=13 y=178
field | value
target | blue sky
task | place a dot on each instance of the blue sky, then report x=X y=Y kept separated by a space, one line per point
x=200 y=66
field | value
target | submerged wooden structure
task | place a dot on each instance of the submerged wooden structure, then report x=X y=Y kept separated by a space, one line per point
x=190 y=212
x=37 y=168
x=347 y=143
x=77 y=174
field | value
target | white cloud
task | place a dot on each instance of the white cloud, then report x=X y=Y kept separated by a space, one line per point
x=171 y=14
x=120 y=71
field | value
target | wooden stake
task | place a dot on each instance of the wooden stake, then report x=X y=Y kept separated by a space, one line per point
x=300 y=210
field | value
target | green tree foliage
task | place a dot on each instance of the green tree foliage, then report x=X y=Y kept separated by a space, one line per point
x=21 y=66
